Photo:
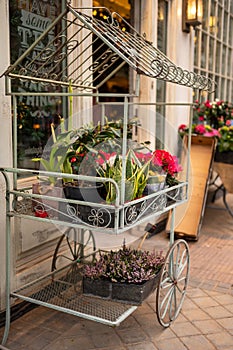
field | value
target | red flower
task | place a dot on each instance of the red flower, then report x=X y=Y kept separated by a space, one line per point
x=228 y=122
x=41 y=214
x=168 y=162
x=73 y=160
x=182 y=127
x=208 y=104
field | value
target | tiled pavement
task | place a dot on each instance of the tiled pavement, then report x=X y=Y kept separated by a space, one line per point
x=205 y=322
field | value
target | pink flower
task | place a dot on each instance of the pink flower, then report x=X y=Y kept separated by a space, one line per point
x=201 y=118
x=104 y=157
x=144 y=157
x=212 y=133
x=228 y=122
x=200 y=129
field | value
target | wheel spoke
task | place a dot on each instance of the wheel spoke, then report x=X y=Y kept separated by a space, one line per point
x=76 y=244
x=169 y=297
x=171 y=312
x=165 y=284
x=172 y=283
x=72 y=251
x=179 y=289
x=182 y=265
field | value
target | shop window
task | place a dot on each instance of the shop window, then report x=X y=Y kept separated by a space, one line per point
x=35 y=114
x=215 y=34
x=161 y=85
x=119 y=82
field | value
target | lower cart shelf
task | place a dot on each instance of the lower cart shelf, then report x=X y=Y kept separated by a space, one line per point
x=62 y=291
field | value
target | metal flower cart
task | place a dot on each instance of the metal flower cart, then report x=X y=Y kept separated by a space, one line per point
x=82 y=73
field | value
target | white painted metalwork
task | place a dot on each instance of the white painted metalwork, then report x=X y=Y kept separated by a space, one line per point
x=60 y=290
x=112 y=49
x=173 y=283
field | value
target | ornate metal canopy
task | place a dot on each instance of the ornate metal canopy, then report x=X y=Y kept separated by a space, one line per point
x=83 y=51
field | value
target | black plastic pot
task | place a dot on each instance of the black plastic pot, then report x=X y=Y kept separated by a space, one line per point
x=129 y=293
x=93 y=193
x=223 y=157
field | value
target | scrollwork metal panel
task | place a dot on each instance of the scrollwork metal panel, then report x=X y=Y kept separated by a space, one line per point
x=84 y=51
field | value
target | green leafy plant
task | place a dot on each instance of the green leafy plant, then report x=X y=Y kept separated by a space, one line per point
x=136 y=175
x=225 y=140
x=56 y=160
x=89 y=139
x=72 y=147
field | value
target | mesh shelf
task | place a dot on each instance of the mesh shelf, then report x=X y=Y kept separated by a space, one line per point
x=62 y=291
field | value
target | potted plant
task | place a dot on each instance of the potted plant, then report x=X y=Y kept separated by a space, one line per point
x=53 y=160
x=164 y=169
x=224 y=151
x=157 y=176
x=136 y=175
x=198 y=129
x=219 y=115
x=214 y=113
x=127 y=275
x=89 y=140
x=223 y=158
x=88 y=145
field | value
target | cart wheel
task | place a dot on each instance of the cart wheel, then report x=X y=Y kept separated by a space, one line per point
x=172 y=283
x=71 y=247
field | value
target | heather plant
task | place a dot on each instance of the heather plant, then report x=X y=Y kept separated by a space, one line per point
x=125 y=266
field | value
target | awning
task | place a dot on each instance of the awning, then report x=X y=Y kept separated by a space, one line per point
x=82 y=51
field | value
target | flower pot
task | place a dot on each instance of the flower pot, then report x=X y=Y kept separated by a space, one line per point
x=91 y=193
x=154 y=184
x=223 y=157
x=105 y=217
x=225 y=171
x=43 y=206
x=175 y=195
x=96 y=216
x=129 y=293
